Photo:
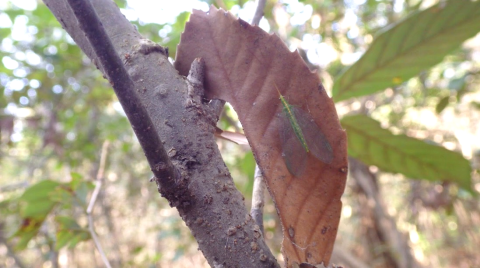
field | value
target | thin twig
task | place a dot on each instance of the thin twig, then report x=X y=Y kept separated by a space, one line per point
x=217 y=106
x=258 y=12
x=258 y=197
x=93 y=199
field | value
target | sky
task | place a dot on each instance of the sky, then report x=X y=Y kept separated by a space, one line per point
x=160 y=11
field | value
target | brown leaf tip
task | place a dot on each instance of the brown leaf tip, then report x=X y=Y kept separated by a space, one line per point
x=243 y=23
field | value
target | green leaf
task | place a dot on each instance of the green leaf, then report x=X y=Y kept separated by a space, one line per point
x=63 y=238
x=84 y=235
x=64 y=195
x=69 y=232
x=76 y=177
x=36 y=201
x=36 y=204
x=24 y=238
x=81 y=188
x=39 y=191
x=38 y=209
x=73 y=193
x=246 y=165
x=403 y=50
x=442 y=104
x=413 y=158
x=174 y=36
x=67 y=223
x=136 y=250
x=26 y=231
x=82 y=191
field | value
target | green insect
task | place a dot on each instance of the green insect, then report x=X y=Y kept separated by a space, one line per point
x=300 y=135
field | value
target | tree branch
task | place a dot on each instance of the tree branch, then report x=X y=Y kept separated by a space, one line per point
x=202 y=189
x=124 y=88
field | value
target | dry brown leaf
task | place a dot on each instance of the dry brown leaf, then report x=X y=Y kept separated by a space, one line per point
x=243 y=64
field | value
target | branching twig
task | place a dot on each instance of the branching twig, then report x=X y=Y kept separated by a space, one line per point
x=259 y=12
x=96 y=191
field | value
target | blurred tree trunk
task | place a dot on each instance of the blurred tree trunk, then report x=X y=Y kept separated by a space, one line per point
x=384 y=238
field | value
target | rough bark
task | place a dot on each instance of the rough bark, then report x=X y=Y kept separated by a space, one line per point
x=201 y=189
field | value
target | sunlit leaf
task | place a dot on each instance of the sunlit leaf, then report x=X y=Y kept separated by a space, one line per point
x=38 y=209
x=403 y=50
x=413 y=158
x=39 y=191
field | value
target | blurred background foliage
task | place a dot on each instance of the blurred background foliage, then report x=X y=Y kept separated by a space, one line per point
x=57 y=113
